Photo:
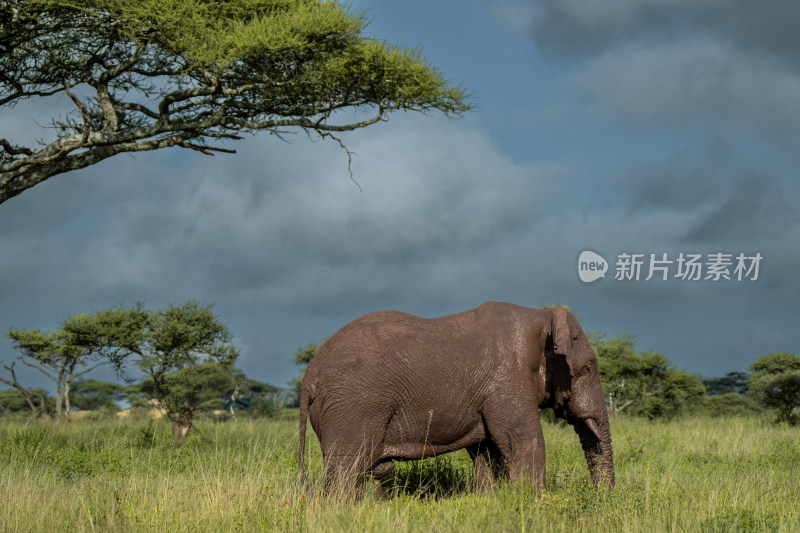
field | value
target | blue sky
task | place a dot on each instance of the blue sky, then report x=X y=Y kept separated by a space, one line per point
x=638 y=126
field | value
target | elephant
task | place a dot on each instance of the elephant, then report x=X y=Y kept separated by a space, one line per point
x=393 y=386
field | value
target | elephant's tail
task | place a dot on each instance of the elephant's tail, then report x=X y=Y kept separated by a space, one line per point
x=304 y=401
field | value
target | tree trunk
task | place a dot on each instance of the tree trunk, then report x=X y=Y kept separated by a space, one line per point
x=181 y=428
x=182 y=421
x=59 y=398
x=67 y=409
x=234 y=397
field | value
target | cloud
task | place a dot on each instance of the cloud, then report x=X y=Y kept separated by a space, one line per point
x=577 y=27
x=678 y=62
x=679 y=182
x=515 y=16
x=720 y=198
x=277 y=224
x=764 y=335
x=691 y=81
x=580 y=27
x=426 y=193
x=751 y=209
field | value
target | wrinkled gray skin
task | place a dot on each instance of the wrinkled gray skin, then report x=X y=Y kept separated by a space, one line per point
x=393 y=386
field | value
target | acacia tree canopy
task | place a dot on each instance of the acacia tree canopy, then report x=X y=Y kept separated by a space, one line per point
x=154 y=74
x=56 y=354
x=160 y=343
x=202 y=385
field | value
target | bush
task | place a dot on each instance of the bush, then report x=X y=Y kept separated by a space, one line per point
x=776 y=384
x=262 y=408
x=730 y=404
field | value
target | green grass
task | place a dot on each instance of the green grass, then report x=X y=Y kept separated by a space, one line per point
x=693 y=474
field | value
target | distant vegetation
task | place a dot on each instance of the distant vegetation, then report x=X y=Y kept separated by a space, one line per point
x=186 y=352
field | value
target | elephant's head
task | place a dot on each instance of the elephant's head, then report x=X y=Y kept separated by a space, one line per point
x=573 y=385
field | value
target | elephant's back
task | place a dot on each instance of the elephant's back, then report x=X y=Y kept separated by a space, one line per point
x=362 y=342
x=383 y=344
x=395 y=342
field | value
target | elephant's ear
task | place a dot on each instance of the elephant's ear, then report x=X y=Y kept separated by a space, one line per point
x=566 y=331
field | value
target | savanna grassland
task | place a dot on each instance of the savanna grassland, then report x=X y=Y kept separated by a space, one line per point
x=109 y=474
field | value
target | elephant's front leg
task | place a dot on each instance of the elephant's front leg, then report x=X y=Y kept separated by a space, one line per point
x=518 y=435
x=527 y=457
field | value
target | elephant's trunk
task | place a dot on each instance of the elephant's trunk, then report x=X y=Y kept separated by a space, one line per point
x=596 y=443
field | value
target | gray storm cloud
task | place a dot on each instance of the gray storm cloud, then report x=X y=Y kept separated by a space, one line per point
x=693 y=80
x=678 y=61
x=285 y=223
x=579 y=27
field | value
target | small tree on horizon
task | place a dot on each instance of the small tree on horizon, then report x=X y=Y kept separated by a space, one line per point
x=56 y=355
x=776 y=384
x=92 y=394
x=732 y=382
x=160 y=343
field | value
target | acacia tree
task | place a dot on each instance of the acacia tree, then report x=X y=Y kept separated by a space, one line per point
x=730 y=383
x=151 y=74
x=160 y=343
x=201 y=386
x=209 y=386
x=55 y=355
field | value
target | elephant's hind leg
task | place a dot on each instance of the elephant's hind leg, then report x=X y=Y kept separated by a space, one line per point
x=382 y=468
x=342 y=472
x=488 y=461
x=348 y=469
x=372 y=482
x=352 y=477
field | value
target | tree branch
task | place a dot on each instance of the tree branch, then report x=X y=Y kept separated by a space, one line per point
x=79 y=374
x=346 y=151
x=25 y=392
x=15 y=150
x=67 y=146
x=107 y=105
x=20 y=94
x=39 y=368
x=207 y=150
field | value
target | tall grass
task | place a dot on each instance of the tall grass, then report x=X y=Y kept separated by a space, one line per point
x=695 y=474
